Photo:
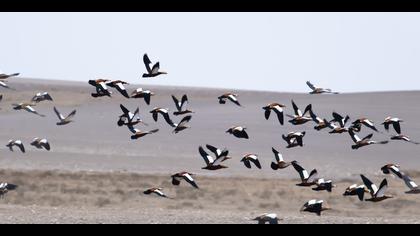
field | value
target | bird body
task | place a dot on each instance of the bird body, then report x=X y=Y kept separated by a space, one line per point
x=41 y=143
x=238 y=132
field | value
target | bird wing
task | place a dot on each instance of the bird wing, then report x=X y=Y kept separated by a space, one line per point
x=103 y=87
x=147 y=63
x=354 y=137
x=396 y=171
x=214 y=150
x=155 y=68
x=184 y=100
x=307 y=109
x=297 y=111
x=190 y=180
x=168 y=119
x=21 y=146
x=185 y=120
x=382 y=189
x=368 y=137
x=279 y=112
x=124 y=110
x=132 y=129
x=60 y=116
x=3 y=84
x=207 y=158
x=410 y=183
x=314 y=117
x=311 y=86
x=302 y=172
x=177 y=103
x=277 y=155
x=397 y=127
x=313 y=176
x=48 y=96
x=370 y=124
x=339 y=118
x=71 y=115
x=371 y=186
x=120 y=87
x=234 y=99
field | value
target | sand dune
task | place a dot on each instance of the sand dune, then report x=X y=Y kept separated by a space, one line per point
x=95 y=164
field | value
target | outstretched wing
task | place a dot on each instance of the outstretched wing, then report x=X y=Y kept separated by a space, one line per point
x=371 y=186
x=382 y=189
x=71 y=115
x=354 y=137
x=311 y=86
x=60 y=116
x=410 y=183
x=302 y=172
x=207 y=158
x=177 y=104
x=147 y=63
x=124 y=110
x=155 y=68
x=184 y=100
x=296 y=109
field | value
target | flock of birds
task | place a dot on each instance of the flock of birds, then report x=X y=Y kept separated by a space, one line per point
x=339 y=124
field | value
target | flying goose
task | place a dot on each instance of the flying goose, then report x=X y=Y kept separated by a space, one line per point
x=41 y=143
x=307 y=179
x=247 y=159
x=17 y=143
x=64 y=120
x=279 y=161
x=40 y=97
x=157 y=191
x=395 y=122
x=358 y=190
x=322 y=185
x=154 y=71
x=101 y=87
x=378 y=194
x=165 y=113
x=145 y=94
x=129 y=118
x=4 y=76
x=321 y=123
x=342 y=121
x=238 y=132
x=395 y=169
x=316 y=90
x=414 y=188
x=315 y=206
x=229 y=96
x=176 y=179
x=277 y=108
x=366 y=122
x=403 y=138
x=139 y=134
x=119 y=85
x=294 y=139
x=211 y=163
x=299 y=118
x=363 y=142
x=5 y=188
x=269 y=218
x=27 y=107
x=180 y=104
x=182 y=124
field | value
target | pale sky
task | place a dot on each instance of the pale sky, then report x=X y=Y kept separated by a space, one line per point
x=348 y=52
